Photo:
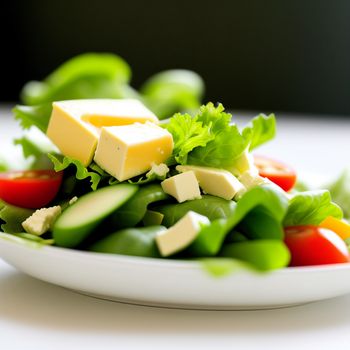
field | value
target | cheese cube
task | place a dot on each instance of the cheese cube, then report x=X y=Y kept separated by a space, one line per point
x=74 y=125
x=250 y=179
x=108 y=112
x=41 y=220
x=183 y=187
x=182 y=234
x=130 y=150
x=217 y=182
x=73 y=137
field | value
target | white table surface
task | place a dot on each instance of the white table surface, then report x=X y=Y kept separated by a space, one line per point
x=37 y=315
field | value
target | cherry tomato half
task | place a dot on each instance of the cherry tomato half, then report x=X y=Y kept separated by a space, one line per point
x=30 y=189
x=313 y=245
x=279 y=173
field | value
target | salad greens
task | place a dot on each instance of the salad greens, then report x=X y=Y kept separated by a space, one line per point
x=263 y=254
x=11 y=217
x=105 y=75
x=171 y=91
x=247 y=231
x=133 y=211
x=340 y=192
x=138 y=241
x=311 y=208
x=209 y=139
x=94 y=174
x=210 y=206
x=210 y=239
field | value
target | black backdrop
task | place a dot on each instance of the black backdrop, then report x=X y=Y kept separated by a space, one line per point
x=265 y=55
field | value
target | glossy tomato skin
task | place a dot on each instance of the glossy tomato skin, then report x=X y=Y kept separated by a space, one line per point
x=278 y=172
x=30 y=189
x=313 y=245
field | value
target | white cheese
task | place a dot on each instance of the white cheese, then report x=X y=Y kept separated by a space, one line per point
x=182 y=234
x=41 y=220
x=183 y=186
x=250 y=179
x=217 y=182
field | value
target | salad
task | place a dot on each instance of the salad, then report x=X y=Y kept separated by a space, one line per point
x=153 y=173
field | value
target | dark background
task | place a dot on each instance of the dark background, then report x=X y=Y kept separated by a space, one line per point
x=265 y=55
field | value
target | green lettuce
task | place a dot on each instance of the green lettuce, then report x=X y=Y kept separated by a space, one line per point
x=227 y=145
x=105 y=75
x=268 y=198
x=263 y=255
x=132 y=212
x=36 y=150
x=210 y=206
x=172 y=91
x=209 y=139
x=260 y=224
x=136 y=241
x=4 y=166
x=188 y=133
x=311 y=208
x=94 y=173
x=261 y=129
x=11 y=217
x=26 y=239
x=38 y=116
x=340 y=192
x=90 y=75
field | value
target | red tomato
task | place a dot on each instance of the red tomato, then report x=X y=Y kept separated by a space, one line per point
x=313 y=245
x=30 y=189
x=279 y=173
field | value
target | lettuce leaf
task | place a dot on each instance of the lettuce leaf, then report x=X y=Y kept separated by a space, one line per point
x=222 y=152
x=188 y=133
x=158 y=172
x=215 y=117
x=210 y=206
x=90 y=75
x=4 y=166
x=94 y=172
x=132 y=212
x=35 y=148
x=11 y=217
x=105 y=75
x=260 y=224
x=340 y=192
x=209 y=139
x=35 y=238
x=135 y=241
x=38 y=116
x=262 y=254
x=311 y=208
x=227 y=145
x=172 y=91
x=261 y=129
x=211 y=237
x=24 y=239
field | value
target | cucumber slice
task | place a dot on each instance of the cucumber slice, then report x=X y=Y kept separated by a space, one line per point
x=79 y=220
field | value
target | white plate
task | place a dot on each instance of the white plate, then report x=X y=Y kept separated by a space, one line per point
x=177 y=284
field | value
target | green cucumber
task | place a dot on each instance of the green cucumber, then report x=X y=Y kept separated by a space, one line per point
x=80 y=219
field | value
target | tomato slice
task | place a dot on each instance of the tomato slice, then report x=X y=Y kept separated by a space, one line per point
x=313 y=245
x=279 y=173
x=30 y=189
